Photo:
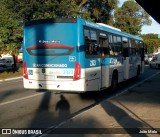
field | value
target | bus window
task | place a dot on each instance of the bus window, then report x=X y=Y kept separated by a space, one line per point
x=117 y=45
x=50 y=50
x=125 y=42
x=138 y=47
x=111 y=48
x=104 y=49
x=132 y=47
x=91 y=46
x=141 y=47
x=94 y=42
x=125 y=46
x=87 y=41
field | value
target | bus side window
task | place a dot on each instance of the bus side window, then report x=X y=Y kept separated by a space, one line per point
x=87 y=41
x=125 y=47
x=91 y=47
x=132 y=47
x=119 y=45
x=141 y=46
x=104 y=49
x=111 y=47
x=115 y=45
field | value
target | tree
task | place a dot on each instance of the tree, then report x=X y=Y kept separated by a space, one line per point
x=10 y=30
x=100 y=10
x=14 y=12
x=131 y=17
x=94 y=10
x=151 y=42
x=149 y=36
x=27 y=10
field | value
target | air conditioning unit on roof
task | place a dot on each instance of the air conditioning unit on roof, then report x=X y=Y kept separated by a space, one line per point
x=105 y=25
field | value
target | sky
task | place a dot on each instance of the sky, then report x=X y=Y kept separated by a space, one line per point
x=153 y=28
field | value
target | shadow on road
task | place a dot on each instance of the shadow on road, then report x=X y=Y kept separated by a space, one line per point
x=48 y=114
x=125 y=121
x=63 y=107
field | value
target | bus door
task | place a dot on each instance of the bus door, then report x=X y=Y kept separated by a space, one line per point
x=133 y=58
x=92 y=61
x=126 y=57
x=104 y=54
x=117 y=59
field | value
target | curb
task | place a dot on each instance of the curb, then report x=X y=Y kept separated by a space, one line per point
x=11 y=79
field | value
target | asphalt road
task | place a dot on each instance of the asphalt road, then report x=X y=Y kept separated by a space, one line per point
x=22 y=108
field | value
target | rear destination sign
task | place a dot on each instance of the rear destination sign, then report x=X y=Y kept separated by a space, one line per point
x=50 y=65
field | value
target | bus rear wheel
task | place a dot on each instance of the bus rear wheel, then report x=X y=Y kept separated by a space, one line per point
x=138 y=71
x=114 y=82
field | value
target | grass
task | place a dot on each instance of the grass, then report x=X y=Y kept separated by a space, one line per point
x=4 y=74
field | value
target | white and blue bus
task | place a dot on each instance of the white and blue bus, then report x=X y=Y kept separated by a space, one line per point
x=72 y=54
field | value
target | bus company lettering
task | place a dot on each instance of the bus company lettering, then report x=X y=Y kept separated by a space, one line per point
x=49 y=41
x=114 y=61
x=92 y=62
x=50 y=65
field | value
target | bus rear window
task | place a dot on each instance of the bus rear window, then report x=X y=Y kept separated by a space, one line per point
x=50 y=50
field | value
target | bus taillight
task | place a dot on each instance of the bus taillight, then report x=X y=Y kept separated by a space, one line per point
x=25 y=73
x=77 y=71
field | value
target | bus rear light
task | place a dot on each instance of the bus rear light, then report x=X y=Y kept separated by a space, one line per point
x=77 y=71
x=73 y=20
x=25 y=73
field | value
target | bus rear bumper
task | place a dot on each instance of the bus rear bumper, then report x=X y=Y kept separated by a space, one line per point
x=78 y=85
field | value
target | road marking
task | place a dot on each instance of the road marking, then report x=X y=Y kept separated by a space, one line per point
x=19 y=99
x=9 y=79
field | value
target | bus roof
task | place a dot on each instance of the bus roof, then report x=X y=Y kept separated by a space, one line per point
x=111 y=29
x=99 y=26
x=105 y=25
x=50 y=20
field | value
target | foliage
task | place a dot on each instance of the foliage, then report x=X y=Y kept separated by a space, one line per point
x=151 y=42
x=131 y=17
x=10 y=30
x=14 y=12
x=95 y=10
x=38 y=9
x=149 y=36
x=100 y=10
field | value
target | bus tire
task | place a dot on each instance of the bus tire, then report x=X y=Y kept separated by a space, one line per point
x=150 y=65
x=138 y=71
x=114 y=82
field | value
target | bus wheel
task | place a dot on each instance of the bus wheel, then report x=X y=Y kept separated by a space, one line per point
x=114 y=82
x=150 y=65
x=138 y=71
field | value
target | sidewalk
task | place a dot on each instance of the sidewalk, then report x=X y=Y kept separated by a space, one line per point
x=122 y=116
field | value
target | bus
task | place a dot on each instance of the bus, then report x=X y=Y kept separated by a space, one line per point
x=76 y=55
